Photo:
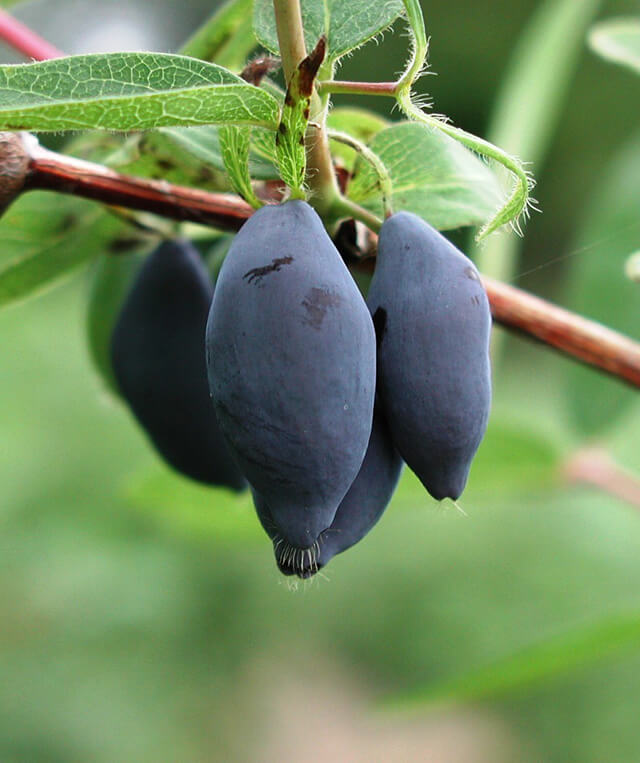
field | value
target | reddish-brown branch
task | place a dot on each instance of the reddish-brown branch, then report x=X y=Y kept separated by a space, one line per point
x=586 y=340
x=571 y=334
x=358 y=88
x=55 y=172
x=24 y=40
x=595 y=467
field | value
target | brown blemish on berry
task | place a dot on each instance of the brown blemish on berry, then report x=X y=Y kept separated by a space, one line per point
x=316 y=303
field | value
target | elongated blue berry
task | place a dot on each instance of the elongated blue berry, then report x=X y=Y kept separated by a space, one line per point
x=291 y=358
x=432 y=321
x=158 y=358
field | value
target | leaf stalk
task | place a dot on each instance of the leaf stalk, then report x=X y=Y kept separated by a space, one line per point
x=384 y=179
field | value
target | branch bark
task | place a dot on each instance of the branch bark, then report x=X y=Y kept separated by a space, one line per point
x=50 y=171
x=583 y=339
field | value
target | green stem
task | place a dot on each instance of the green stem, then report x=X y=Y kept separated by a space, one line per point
x=374 y=160
x=343 y=208
x=290 y=35
x=420 y=47
x=320 y=176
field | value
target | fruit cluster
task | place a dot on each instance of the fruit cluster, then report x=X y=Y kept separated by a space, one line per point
x=318 y=396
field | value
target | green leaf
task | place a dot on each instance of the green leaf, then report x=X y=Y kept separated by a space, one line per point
x=562 y=656
x=226 y=38
x=361 y=123
x=618 y=40
x=45 y=236
x=290 y=138
x=111 y=276
x=347 y=24
x=128 y=91
x=263 y=146
x=157 y=154
x=203 y=143
x=234 y=144
x=290 y=147
x=599 y=288
x=432 y=176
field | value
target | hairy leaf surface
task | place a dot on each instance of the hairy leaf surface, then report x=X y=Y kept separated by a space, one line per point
x=347 y=24
x=433 y=176
x=128 y=91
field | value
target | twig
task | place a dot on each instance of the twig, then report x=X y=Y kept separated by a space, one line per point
x=55 y=172
x=595 y=467
x=358 y=88
x=24 y=40
x=586 y=340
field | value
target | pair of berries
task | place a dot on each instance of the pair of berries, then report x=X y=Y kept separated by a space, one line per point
x=319 y=397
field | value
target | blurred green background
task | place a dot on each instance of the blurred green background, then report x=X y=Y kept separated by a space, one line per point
x=142 y=617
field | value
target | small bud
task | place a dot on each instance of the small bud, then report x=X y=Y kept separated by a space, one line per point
x=14 y=167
